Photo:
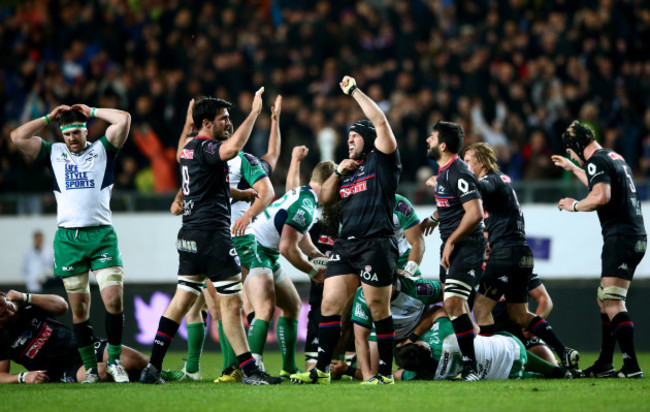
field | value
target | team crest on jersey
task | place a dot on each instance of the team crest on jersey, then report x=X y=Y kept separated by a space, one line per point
x=506 y=178
x=187 y=154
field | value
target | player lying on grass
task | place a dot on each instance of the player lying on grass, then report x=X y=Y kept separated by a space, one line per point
x=436 y=355
x=31 y=337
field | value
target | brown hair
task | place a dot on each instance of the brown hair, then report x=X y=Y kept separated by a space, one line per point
x=485 y=155
x=322 y=172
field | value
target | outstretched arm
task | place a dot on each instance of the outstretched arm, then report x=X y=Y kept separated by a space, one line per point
x=120 y=121
x=187 y=129
x=385 y=141
x=293 y=175
x=273 y=154
x=236 y=143
x=23 y=136
x=24 y=377
x=566 y=164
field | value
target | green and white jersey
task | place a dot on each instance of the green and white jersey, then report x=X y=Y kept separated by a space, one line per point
x=495 y=355
x=244 y=171
x=296 y=208
x=411 y=298
x=82 y=182
x=404 y=217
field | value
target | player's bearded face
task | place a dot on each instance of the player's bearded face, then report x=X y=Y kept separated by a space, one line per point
x=434 y=152
x=75 y=140
x=355 y=146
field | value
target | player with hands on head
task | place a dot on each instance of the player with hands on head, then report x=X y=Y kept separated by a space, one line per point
x=613 y=194
x=82 y=174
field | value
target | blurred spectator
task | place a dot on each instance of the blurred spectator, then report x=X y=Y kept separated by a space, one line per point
x=38 y=265
x=162 y=159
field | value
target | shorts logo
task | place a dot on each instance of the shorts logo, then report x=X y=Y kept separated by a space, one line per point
x=367 y=274
x=105 y=257
x=504 y=279
x=334 y=258
x=232 y=252
x=624 y=267
x=184 y=245
x=68 y=268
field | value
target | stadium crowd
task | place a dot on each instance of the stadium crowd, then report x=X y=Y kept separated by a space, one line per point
x=513 y=73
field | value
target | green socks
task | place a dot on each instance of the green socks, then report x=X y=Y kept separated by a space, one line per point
x=539 y=365
x=114 y=352
x=195 y=338
x=226 y=350
x=287 y=330
x=88 y=357
x=257 y=335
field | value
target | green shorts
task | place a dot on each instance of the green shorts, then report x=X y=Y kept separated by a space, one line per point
x=268 y=258
x=79 y=250
x=246 y=247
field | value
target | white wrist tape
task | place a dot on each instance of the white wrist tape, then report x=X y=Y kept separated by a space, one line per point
x=411 y=267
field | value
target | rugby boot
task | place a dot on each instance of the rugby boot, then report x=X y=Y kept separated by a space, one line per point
x=314 y=377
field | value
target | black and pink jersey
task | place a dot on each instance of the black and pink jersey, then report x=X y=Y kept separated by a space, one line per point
x=456 y=185
x=504 y=219
x=205 y=185
x=622 y=214
x=368 y=196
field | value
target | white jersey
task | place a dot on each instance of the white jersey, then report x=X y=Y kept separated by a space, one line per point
x=406 y=311
x=243 y=171
x=495 y=356
x=82 y=182
x=296 y=208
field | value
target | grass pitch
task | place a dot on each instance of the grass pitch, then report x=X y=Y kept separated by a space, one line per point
x=525 y=395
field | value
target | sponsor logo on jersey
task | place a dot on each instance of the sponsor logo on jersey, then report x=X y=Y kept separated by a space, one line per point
x=74 y=179
x=187 y=154
x=359 y=313
x=39 y=342
x=300 y=217
x=355 y=188
x=326 y=240
x=442 y=202
x=424 y=289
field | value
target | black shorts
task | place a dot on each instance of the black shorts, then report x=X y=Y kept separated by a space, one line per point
x=621 y=255
x=466 y=262
x=508 y=271
x=374 y=260
x=207 y=252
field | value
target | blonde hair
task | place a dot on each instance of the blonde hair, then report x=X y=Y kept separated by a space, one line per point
x=322 y=171
x=484 y=154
